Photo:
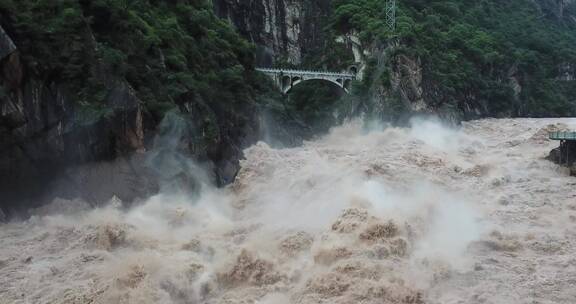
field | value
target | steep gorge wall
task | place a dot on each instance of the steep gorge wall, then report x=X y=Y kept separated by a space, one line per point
x=558 y=8
x=43 y=132
x=407 y=80
x=284 y=31
x=55 y=142
x=287 y=31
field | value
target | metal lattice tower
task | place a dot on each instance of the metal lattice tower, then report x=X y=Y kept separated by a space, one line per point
x=391 y=14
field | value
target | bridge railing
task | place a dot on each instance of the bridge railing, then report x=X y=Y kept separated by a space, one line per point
x=562 y=135
x=305 y=72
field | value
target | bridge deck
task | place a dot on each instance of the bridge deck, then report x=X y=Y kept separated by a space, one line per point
x=562 y=135
x=305 y=72
x=286 y=79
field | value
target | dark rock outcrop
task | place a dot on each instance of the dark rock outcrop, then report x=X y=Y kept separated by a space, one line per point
x=565 y=155
x=285 y=30
x=46 y=138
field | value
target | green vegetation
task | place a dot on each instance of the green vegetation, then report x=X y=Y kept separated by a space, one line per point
x=170 y=52
x=470 y=50
x=177 y=52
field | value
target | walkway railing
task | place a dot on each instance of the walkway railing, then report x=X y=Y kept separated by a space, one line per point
x=564 y=135
x=305 y=72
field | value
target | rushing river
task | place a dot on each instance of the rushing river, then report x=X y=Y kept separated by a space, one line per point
x=425 y=214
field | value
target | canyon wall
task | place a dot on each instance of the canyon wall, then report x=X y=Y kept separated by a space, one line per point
x=284 y=31
x=92 y=135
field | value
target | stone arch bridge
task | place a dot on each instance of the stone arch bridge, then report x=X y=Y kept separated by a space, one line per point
x=286 y=79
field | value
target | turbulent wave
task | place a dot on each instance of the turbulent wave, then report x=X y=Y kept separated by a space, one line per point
x=426 y=214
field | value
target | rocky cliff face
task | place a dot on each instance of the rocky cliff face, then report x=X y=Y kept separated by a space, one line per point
x=52 y=146
x=558 y=8
x=411 y=87
x=283 y=30
x=44 y=134
x=565 y=13
x=289 y=30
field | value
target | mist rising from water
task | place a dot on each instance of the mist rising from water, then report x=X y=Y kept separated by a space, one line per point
x=358 y=211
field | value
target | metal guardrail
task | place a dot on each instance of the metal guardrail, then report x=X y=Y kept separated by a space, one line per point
x=305 y=72
x=564 y=135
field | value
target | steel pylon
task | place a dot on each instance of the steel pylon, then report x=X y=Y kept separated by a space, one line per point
x=391 y=14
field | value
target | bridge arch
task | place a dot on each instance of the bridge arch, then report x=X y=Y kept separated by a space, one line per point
x=286 y=79
x=334 y=82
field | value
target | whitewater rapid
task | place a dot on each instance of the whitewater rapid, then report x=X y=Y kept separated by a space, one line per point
x=365 y=214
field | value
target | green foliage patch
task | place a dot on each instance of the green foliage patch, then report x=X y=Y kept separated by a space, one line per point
x=168 y=51
x=470 y=50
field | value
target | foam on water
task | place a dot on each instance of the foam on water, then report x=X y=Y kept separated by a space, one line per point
x=426 y=214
